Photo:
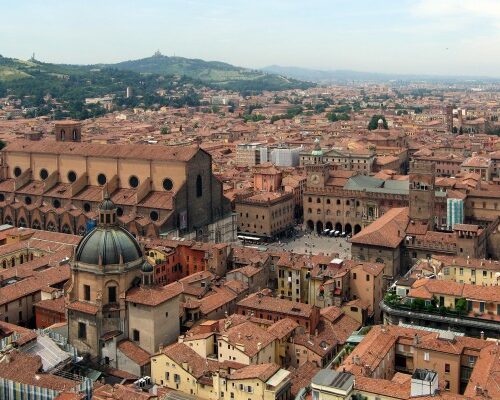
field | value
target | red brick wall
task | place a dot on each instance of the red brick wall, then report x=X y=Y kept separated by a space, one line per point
x=45 y=318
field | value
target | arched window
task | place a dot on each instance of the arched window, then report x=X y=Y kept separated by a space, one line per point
x=75 y=135
x=51 y=226
x=62 y=134
x=199 y=186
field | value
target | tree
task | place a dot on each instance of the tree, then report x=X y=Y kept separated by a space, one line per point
x=374 y=122
x=391 y=298
x=333 y=117
x=165 y=130
x=461 y=304
x=418 y=304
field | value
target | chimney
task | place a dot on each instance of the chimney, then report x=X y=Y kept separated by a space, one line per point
x=482 y=335
x=415 y=339
x=259 y=346
x=356 y=359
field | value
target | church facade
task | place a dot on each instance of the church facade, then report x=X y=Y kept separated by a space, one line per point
x=158 y=190
x=117 y=317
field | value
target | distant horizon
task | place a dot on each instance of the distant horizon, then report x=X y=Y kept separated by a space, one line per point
x=406 y=37
x=262 y=68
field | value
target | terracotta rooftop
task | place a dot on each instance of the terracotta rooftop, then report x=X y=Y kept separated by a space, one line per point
x=134 y=352
x=56 y=305
x=386 y=231
x=260 y=371
x=154 y=295
x=302 y=376
x=133 y=151
x=26 y=369
x=282 y=328
x=258 y=301
x=189 y=360
x=249 y=335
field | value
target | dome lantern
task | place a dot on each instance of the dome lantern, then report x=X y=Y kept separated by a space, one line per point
x=107 y=211
x=147 y=274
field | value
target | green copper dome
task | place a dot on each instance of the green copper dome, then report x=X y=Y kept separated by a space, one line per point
x=107 y=245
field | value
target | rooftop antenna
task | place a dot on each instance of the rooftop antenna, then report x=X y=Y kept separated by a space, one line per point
x=33 y=57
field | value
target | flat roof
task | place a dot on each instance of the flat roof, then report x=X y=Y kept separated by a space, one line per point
x=278 y=377
x=334 y=379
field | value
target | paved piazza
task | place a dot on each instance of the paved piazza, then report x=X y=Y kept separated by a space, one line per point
x=311 y=243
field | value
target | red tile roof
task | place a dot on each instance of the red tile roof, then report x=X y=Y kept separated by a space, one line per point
x=134 y=352
x=154 y=295
x=387 y=231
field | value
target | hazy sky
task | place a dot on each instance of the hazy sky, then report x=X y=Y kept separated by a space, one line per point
x=404 y=36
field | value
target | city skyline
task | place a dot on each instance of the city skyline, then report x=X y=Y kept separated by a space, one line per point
x=408 y=37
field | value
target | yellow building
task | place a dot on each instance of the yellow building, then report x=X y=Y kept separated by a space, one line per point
x=472 y=271
x=480 y=301
x=255 y=382
x=181 y=368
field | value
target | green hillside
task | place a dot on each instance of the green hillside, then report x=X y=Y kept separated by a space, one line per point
x=37 y=84
x=34 y=83
x=213 y=73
